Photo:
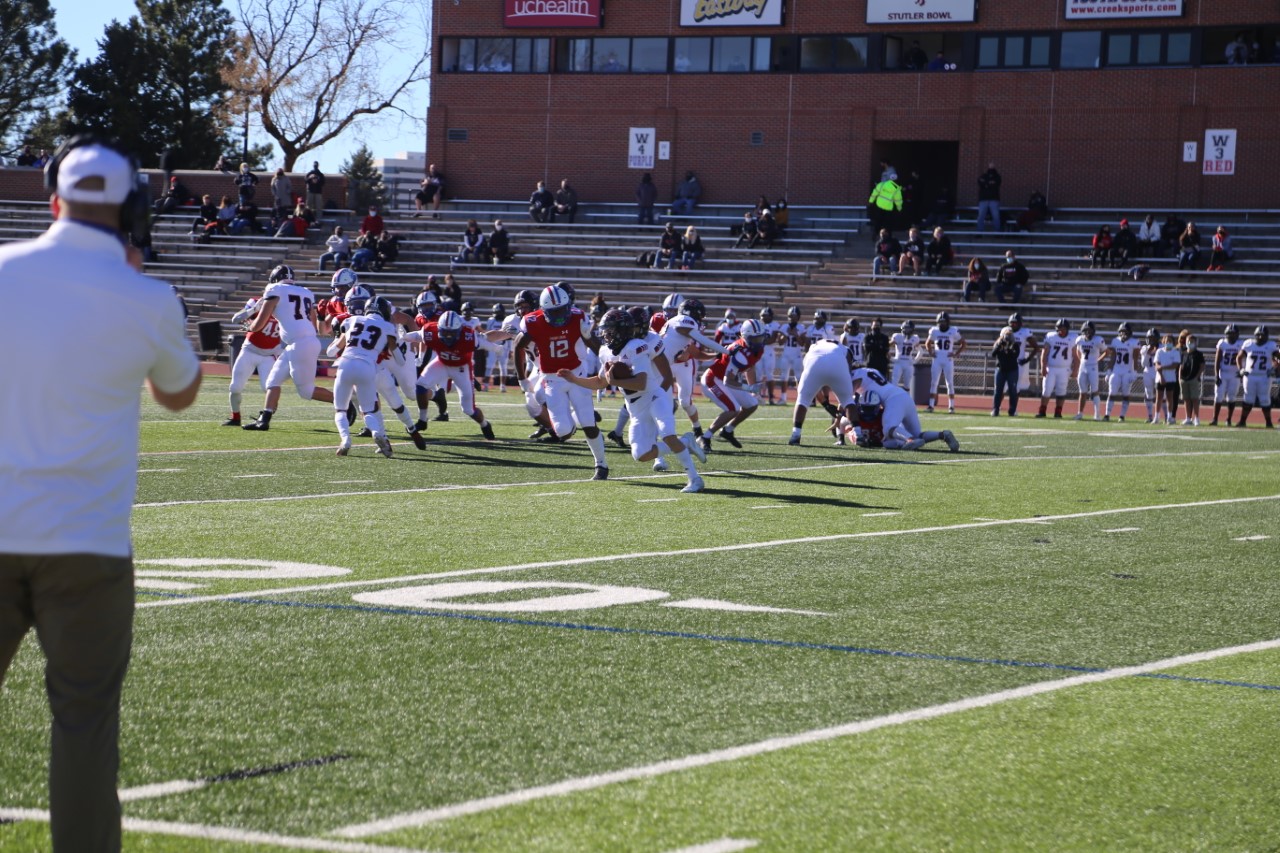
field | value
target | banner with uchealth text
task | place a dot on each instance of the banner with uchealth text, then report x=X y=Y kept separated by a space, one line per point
x=1083 y=10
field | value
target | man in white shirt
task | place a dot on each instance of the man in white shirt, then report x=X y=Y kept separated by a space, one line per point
x=67 y=488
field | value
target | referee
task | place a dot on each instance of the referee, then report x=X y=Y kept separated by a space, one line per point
x=68 y=468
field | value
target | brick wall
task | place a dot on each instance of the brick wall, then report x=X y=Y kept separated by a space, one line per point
x=1087 y=138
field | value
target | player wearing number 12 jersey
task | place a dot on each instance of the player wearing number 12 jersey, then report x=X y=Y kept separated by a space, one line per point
x=295 y=308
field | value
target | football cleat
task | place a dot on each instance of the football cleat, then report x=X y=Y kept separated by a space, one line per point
x=696 y=447
x=794 y=441
x=443 y=416
x=486 y=429
x=384 y=445
x=914 y=444
x=695 y=485
x=365 y=433
x=344 y=448
x=615 y=438
x=418 y=441
x=705 y=443
x=952 y=442
x=420 y=426
x=602 y=473
x=661 y=465
x=234 y=420
x=731 y=438
x=262 y=424
x=539 y=434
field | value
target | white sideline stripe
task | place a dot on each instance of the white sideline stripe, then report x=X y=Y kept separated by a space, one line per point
x=884 y=514
x=1123 y=530
x=161 y=470
x=656 y=500
x=771 y=506
x=723 y=845
x=714 y=549
x=161 y=789
x=220 y=833
x=1257 y=537
x=736 y=753
x=251 y=476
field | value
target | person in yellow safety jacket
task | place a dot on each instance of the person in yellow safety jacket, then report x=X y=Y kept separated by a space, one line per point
x=885 y=203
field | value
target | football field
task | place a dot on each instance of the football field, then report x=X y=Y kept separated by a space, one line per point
x=1065 y=636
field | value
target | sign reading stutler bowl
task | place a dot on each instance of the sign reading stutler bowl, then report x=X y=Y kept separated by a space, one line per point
x=1078 y=9
x=920 y=11
x=730 y=13
x=551 y=13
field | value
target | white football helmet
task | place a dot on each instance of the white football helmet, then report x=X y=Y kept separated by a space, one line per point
x=555 y=304
x=343 y=280
x=425 y=303
x=356 y=299
x=671 y=305
x=450 y=326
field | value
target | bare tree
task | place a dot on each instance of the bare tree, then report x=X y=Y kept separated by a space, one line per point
x=313 y=67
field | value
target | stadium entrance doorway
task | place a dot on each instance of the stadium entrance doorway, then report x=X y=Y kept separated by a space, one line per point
x=936 y=162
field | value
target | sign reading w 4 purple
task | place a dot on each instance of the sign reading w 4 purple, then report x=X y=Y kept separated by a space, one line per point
x=551 y=13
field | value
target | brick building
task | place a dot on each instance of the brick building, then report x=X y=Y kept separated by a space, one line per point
x=1093 y=102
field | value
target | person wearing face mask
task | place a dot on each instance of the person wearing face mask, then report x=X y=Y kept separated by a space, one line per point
x=372 y=224
x=1167 y=361
x=1189 y=376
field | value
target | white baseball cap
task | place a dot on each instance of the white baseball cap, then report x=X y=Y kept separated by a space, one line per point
x=95 y=161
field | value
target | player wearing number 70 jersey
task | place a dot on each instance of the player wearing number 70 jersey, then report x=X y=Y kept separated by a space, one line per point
x=295 y=308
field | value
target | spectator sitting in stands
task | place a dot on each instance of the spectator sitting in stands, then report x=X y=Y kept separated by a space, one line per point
x=1011 y=278
x=176 y=195
x=434 y=287
x=912 y=252
x=246 y=219
x=748 y=232
x=305 y=213
x=1189 y=247
x=451 y=292
x=473 y=246
x=977 y=280
x=1150 y=243
x=500 y=244
x=1171 y=233
x=1124 y=247
x=339 y=249
x=226 y=213
x=208 y=210
x=939 y=252
x=364 y=252
x=781 y=216
x=687 y=194
x=766 y=229
x=372 y=224
x=387 y=249
x=1221 y=252
x=542 y=204
x=762 y=204
x=566 y=201
x=1037 y=211
x=27 y=157
x=887 y=251
x=691 y=250
x=668 y=253
x=431 y=192
x=292 y=225
x=1100 y=256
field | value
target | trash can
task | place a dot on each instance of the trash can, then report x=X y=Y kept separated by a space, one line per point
x=237 y=341
x=920 y=379
x=210 y=333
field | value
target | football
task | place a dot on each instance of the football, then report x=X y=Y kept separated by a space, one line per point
x=620 y=370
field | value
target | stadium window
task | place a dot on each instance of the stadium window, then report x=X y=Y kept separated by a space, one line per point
x=1148 y=48
x=1238 y=46
x=1081 y=49
x=692 y=55
x=573 y=55
x=533 y=55
x=1014 y=51
x=457 y=55
x=1119 y=49
x=1178 y=49
x=815 y=53
x=649 y=55
x=611 y=55
x=919 y=51
x=731 y=54
x=495 y=54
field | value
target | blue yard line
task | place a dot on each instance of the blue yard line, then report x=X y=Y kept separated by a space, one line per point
x=717 y=638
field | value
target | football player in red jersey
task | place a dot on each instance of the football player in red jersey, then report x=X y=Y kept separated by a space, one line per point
x=328 y=310
x=453 y=344
x=730 y=382
x=560 y=332
x=427 y=310
x=258 y=352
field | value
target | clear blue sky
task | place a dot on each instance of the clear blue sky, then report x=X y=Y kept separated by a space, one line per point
x=81 y=24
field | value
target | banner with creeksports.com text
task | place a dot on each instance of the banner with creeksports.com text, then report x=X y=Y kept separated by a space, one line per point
x=1086 y=9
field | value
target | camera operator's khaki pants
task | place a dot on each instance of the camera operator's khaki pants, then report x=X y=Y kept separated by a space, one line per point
x=81 y=606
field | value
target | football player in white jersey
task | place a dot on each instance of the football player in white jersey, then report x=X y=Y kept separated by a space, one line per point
x=1089 y=349
x=945 y=343
x=820 y=331
x=727 y=331
x=1057 y=361
x=905 y=343
x=500 y=351
x=1147 y=363
x=1257 y=361
x=1124 y=351
x=1226 y=374
x=827 y=364
x=793 y=335
x=855 y=339
x=684 y=343
x=294 y=307
x=900 y=422
x=1028 y=345
x=627 y=361
x=258 y=352
x=768 y=363
x=357 y=350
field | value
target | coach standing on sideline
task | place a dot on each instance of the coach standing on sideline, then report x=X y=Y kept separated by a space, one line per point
x=67 y=486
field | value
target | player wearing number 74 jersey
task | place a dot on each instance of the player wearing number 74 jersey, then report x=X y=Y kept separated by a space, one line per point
x=294 y=307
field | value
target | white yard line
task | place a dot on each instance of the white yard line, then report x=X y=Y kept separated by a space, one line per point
x=713 y=549
x=220 y=833
x=722 y=845
x=411 y=820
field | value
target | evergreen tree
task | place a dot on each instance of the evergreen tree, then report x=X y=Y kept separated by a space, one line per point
x=364 y=181
x=157 y=83
x=33 y=63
